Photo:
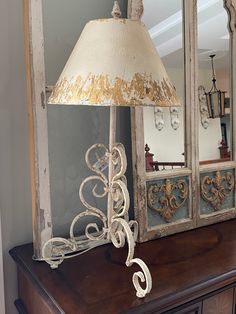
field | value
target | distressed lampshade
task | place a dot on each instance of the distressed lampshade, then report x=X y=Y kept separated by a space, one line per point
x=114 y=63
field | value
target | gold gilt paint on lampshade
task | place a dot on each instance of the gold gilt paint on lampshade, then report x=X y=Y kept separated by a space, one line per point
x=114 y=63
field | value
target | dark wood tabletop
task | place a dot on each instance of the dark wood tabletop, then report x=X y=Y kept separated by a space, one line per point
x=184 y=267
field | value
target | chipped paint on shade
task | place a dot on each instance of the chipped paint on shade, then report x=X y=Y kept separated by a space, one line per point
x=114 y=63
x=99 y=90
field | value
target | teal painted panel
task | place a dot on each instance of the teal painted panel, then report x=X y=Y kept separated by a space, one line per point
x=217 y=191
x=161 y=197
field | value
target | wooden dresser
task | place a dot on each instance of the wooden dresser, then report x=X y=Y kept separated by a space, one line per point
x=193 y=272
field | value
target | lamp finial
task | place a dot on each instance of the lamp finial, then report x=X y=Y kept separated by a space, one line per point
x=116 y=12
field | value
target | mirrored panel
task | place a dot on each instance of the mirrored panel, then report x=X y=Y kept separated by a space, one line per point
x=214 y=82
x=164 y=127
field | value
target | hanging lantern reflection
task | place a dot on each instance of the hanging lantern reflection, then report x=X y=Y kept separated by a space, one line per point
x=215 y=98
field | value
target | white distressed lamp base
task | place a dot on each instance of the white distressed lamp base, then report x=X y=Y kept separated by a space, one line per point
x=116 y=227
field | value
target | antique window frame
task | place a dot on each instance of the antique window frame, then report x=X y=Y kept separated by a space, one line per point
x=38 y=127
x=141 y=177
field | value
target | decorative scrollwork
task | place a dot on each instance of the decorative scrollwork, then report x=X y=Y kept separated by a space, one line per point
x=230 y=6
x=174 y=118
x=215 y=190
x=118 y=229
x=159 y=118
x=118 y=236
x=164 y=195
x=54 y=251
x=203 y=106
x=57 y=249
x=136 y=9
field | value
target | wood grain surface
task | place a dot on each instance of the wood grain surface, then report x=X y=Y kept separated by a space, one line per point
x=184 y=267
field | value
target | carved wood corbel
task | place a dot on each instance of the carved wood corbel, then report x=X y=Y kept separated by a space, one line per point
x=230 y=7
x=159 y=118
x=174 y=118
x=135 y=9
x=203 y=107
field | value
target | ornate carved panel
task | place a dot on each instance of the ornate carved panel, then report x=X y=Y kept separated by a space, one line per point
x=230 y=6
x=167 y=200
x=217 y=190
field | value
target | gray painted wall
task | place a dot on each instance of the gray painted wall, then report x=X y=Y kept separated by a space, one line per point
x=15 y=196
x=63 y=22
x=2 y=294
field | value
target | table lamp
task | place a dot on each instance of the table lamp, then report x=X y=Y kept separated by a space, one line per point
x=114 y=63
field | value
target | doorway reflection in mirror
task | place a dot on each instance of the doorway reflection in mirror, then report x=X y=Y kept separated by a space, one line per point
x=164 y=128
x=213 y=40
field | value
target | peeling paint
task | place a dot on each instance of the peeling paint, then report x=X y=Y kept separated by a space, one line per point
x=43 y=100
x=100 y=89
x=42 y=219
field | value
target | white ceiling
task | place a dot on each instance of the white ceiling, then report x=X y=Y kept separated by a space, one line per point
x=163 y=19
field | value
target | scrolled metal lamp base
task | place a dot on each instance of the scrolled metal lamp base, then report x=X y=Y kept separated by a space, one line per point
x=116 y=227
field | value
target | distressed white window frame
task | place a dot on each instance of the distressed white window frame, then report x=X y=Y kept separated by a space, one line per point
x=38 y=129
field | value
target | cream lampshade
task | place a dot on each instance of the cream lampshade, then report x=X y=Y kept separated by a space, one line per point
x=114 y=63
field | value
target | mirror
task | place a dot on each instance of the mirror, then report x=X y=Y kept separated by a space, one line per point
x=157 y=191
x=213 y=44
x=164 y=127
